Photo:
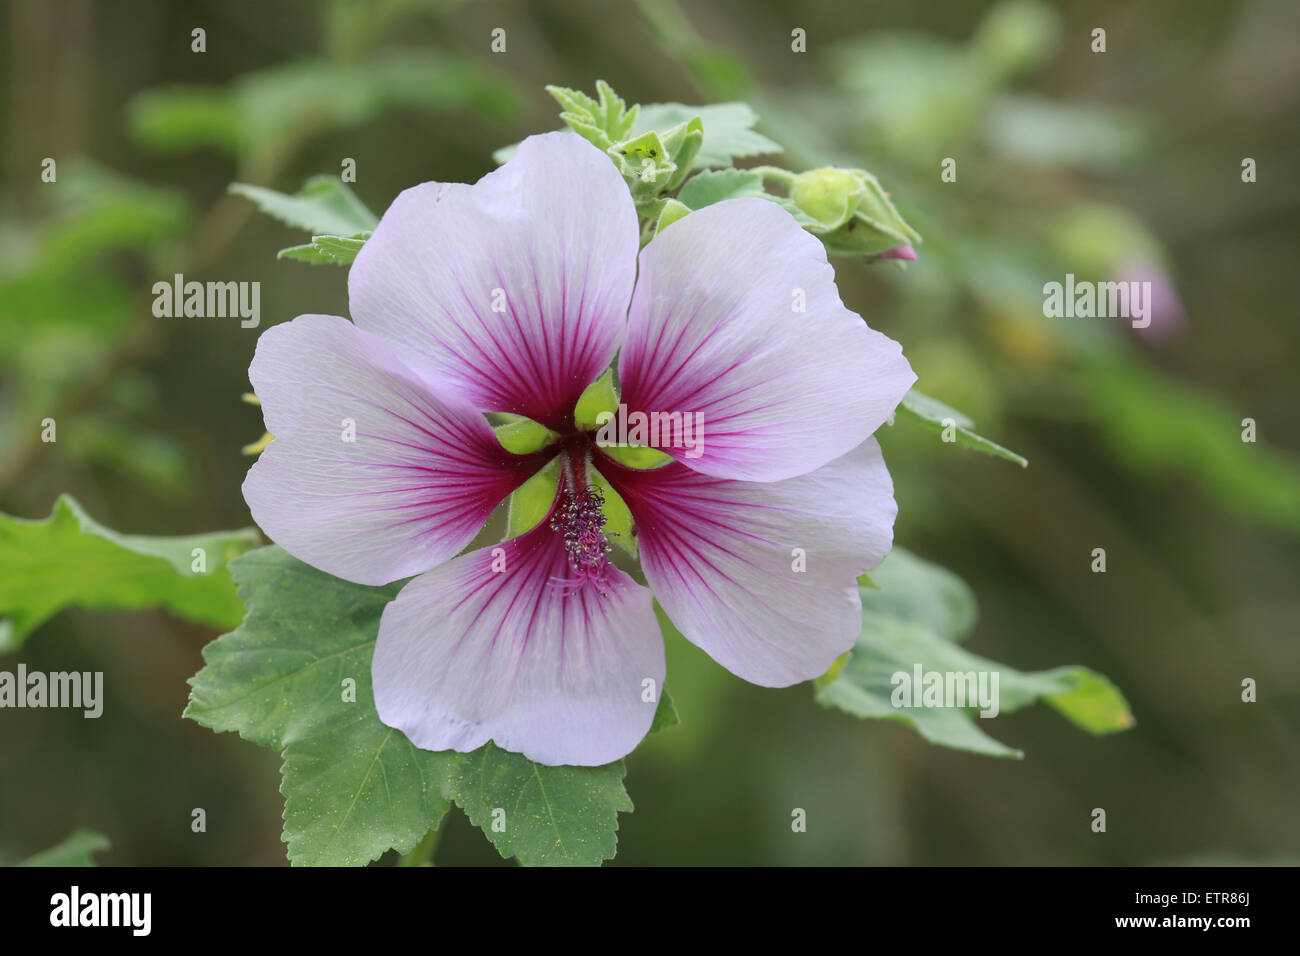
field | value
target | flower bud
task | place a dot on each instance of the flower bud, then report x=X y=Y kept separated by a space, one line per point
x=851 y=213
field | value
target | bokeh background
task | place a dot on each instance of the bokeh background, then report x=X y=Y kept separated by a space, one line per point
x=1123 y=163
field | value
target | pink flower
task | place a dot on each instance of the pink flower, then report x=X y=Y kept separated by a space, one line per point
x=541 y=643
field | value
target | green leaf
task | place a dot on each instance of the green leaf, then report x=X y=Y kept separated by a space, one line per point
x=566 y=816
x=1036 y=130
x=267 y=110
x=324 y=206
x=1164 y=430
x=602 y=122
x=706 y=188
x=915 y=619
x=97 y=210
x=180 y=117
x=70 y=559
x=617 y=118
x=77 y=850
x=353 y=787
x=728 y=130
x=937 y=416
x=907 y=588
x=326 y=250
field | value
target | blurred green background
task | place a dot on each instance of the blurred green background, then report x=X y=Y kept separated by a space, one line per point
x=1118 y=164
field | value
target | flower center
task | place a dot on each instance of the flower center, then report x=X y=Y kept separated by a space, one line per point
x=580 y=519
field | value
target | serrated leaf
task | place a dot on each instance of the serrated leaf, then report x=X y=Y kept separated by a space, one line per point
x=70 y=559
x=936 y=416
x=353 y=787
x=616 y=118
x=358 y=789
x=901 y=629
x=706 y=188
x=554 y=816
x=574 y=101
x=602 y=121
x=326 y=250
x=77 y=850
x=728 y=130
x=323 y=206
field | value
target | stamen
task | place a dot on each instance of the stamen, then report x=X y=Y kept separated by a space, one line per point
x=580 y=518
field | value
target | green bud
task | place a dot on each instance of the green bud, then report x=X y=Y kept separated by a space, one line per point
x=851 y=213
x=683 y=143
x=828 y=195
x=644 y=163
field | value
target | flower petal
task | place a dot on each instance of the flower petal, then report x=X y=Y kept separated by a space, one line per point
x=467 y=654
x=716 y=328
x=411 y=490
x=721 y=557
x=514 y=289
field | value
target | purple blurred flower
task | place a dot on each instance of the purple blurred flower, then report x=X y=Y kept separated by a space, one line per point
x=540 y=643
x=1166 y=307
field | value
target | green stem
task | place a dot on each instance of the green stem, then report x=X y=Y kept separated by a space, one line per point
x=776 y=174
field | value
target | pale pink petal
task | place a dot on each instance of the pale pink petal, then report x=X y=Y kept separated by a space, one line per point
x=468 y=654
x=723 y=558
x=736 y=317
x=413 y=487
x=549 y=240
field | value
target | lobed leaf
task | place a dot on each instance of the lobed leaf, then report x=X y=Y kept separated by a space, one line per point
x=354 y=787
x=70 y=559
x=324 y=205
x=915 y=618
